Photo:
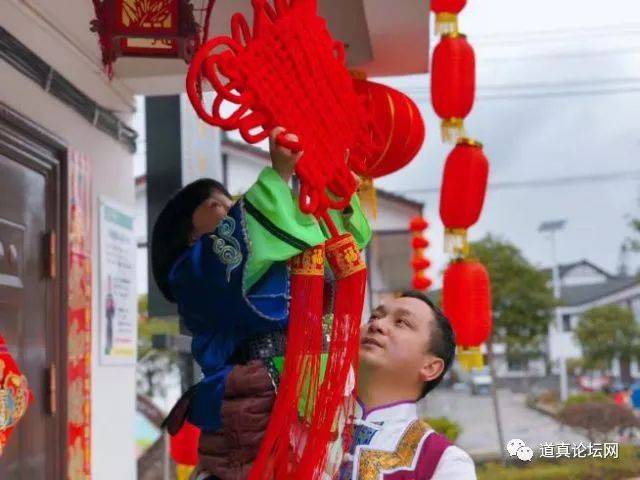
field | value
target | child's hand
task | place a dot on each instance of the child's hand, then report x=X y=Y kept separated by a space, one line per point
x=283 y=160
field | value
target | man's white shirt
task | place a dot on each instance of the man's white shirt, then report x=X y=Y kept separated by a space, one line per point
x=392 y=442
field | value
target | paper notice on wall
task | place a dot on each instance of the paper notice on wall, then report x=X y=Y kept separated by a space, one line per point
x=117 y=294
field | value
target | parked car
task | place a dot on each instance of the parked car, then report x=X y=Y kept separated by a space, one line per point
x=480 y=381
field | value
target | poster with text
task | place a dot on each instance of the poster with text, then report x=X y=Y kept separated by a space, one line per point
x=117 y=305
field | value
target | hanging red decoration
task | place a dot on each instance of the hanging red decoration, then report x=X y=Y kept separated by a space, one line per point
x=251 y=71
x=453 y=83
x=398 y=127
x=464 y=185
x=183 y=445
x=466 y=301
x=446 y=12
x=419 y=263
x=148 y=28
x=15 y=396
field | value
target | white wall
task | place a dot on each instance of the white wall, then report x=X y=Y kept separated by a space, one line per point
x=113 y=388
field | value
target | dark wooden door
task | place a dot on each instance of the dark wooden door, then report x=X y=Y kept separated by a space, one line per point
x=30 y=319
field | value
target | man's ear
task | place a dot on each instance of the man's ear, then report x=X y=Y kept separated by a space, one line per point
x=432 y=368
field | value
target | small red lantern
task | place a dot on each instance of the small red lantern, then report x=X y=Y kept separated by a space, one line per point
x=398 y=124
x=145 y=28
x=15 y=396
x=464 y=185
x=184 y=445
x=466 y=301
x=419 y=242
x=447 y=14
x=453 y=83
x=420 y=282
x=418 y=224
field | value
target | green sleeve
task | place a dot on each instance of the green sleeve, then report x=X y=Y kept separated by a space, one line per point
x=278 y=230
x=354 y=222
x=276 y=227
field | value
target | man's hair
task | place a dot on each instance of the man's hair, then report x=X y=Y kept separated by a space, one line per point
x=172 y=230
x=442 y=343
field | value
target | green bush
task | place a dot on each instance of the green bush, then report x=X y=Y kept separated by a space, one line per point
x=594 y=397
x=626 y=466
x=446 y=427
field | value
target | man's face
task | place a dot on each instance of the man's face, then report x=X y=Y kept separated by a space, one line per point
x=396 y=340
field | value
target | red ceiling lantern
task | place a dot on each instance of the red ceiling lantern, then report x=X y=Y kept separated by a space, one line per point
x=466 y=301
x=446 y=12
x=418 y=262
x=15 y=396
x=453 y=83
x=464 y=185
x=397 y=124
x=147 y=28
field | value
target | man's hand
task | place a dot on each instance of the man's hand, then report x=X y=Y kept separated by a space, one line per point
x=283 y=160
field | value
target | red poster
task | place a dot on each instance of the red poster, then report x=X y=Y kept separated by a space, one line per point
x=79 y=319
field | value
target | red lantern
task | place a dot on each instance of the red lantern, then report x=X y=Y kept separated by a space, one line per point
x=184 y=445
x=15 y=396
x=398 y=125
x=447 y=14
x=420 y=282
x=419 y=242
x=418 y=224
x=453 y=83
x=464 y=184
x=420 y=263
x=145 y=28
x=466 y=301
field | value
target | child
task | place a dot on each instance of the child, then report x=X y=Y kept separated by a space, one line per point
x=226 y=267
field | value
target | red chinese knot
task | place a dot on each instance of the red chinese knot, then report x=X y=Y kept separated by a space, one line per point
x=289 y=72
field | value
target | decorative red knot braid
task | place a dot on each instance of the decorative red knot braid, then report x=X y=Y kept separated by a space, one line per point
x=289 y=72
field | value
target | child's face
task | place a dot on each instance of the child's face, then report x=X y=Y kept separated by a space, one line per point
x=209 y=213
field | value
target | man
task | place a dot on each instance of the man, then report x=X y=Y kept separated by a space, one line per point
x=405 y=350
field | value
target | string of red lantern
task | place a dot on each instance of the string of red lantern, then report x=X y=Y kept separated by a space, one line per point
x=466 y=288
x=419 y=262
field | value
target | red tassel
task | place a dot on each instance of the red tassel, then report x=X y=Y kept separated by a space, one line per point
x=335 y=404
x=300 y=378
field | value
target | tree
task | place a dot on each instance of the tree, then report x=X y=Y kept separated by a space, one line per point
x=606 y=333
x=522 y=300
x=598 y=420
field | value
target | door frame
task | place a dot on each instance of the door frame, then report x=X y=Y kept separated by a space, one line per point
x=35 y=147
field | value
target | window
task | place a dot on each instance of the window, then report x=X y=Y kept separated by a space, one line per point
x=566 y=323
x=516 y=364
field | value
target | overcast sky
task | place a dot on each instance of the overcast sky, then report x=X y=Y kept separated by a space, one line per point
x=558 y=96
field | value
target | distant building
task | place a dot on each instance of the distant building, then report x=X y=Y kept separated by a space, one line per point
x=583 y=286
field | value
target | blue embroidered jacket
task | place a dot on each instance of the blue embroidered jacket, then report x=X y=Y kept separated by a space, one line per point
x=207 y=282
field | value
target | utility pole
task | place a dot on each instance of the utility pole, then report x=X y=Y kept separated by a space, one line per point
x=494 y=397
x=551 y=227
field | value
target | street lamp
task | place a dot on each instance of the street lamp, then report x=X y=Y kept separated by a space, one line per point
x=551 y=227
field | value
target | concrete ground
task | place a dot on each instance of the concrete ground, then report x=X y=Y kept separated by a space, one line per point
x=476 y=416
